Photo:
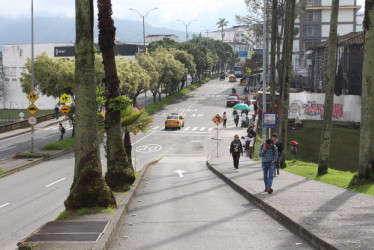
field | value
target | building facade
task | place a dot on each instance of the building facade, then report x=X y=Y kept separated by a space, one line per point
x=153 y=38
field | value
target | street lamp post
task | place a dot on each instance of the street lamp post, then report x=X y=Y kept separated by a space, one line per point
x=32 y=67
x=143 y=17
x=188 y=24
x=264 y=73
x=207 y=31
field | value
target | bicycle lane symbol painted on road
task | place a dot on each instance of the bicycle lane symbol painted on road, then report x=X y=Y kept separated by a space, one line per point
x=148 y=148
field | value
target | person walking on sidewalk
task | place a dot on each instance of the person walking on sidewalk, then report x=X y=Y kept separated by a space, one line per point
x=269 y=154
x=236 y=148
x=244 y=119
x=57 y=111
x=276 y=142
x=236 y=117
x=62 y=131
x=224 y=116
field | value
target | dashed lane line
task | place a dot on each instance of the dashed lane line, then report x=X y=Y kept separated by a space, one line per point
x=6 y=204
x=53 y=183
x=5 y=149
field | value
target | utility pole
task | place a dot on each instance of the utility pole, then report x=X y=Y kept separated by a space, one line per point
x=143 y=17
x=186 y=27
x=264 y=72
x=32 y=67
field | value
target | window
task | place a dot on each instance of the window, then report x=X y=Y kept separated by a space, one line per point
x=310 y=31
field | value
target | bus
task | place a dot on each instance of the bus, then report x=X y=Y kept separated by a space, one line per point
x=238 y=71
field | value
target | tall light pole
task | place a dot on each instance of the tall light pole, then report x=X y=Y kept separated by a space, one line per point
x=32 y=67
x=143 y=17
x=264 y=72
x=207 y=31
x=188 y=24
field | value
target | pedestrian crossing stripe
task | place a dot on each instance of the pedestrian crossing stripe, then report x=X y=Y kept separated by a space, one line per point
x=195 y=129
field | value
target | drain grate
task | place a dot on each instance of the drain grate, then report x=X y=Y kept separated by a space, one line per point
x=69 y=231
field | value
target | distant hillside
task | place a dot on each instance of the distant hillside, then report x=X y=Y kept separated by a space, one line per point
x=50 y=29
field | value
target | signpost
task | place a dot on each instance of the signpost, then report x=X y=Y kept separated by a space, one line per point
x=21 y=115
x=64 y=109
x=65 y=98
x=32 y=97
x=135 y=131
x=270 y=120
x=32 y=109
x=217 y=120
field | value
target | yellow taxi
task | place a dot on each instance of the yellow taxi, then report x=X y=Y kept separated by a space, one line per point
x=174 y=120
x=232 y=78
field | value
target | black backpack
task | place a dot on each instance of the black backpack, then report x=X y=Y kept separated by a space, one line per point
x=63 y=130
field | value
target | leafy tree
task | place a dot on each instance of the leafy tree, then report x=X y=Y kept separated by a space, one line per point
x=366 y=160
x=287 y=65
x=119 y=175
x=188 y=62
x=151 y=67
x=130 y=122
x=165 y=43
x=89 y=188
x=221 y=24
x=329 y=96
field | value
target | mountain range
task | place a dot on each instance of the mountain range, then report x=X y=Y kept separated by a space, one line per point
x=57 y=29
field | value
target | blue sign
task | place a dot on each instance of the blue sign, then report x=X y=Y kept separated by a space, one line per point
x=270 y=120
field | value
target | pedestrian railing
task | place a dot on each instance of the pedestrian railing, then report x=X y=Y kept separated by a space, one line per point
x=24 y=124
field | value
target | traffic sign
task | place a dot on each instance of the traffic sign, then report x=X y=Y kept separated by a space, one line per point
x=217 y=119
x=65 y=98
x=32 y=96
x=32 y=109
x=270 y=120
x=65 y=109
x=32 y=120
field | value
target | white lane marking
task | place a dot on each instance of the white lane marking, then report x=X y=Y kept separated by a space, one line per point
x=202 y=128
x=48 y=128
x=142 y=138
x=2 y=159
x=188 y=128
x=210 y=129
x=156 y=127
x=195 y=128
x=6 y=204
x=53 y=183
x=180 y=172
x=48 y=136
x=6 y=148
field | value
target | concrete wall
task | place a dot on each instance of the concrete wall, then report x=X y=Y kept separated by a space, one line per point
x=309 y=106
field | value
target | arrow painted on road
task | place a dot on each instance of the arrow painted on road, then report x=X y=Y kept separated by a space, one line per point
x=180 y=172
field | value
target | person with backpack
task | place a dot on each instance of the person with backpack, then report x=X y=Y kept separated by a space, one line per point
x=62 y=131
x=236 y=117
x=236 y=148
x=269 y=154
x=276 y=142
x=251 y=133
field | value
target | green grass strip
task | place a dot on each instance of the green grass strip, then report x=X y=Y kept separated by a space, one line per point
x=1 y=170
x=60 y=145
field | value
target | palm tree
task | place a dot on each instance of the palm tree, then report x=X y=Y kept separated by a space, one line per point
x=221 y=24
x=133 y=121
x=324 y=152
x=89 y=188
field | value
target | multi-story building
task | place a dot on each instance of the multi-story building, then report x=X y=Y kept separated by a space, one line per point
x=314 y=26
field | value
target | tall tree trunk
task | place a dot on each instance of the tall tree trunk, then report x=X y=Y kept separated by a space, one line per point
x=128 y=146
x=274 y=28
x=324 y=151
x=119 y=175
x=366 y=160
x=89 y=188
x=279 y=60
x=287 y=65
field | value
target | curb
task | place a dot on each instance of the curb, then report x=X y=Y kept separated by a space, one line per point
x=296 y=224
x=36 y=162
x=107 y=239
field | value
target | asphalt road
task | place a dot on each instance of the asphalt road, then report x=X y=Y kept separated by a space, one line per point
x=22 y=143
x=34 y=196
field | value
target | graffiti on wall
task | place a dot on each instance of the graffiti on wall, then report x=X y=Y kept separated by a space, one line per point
x=313 y=110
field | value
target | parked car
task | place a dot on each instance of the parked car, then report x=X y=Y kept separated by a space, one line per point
x=232 y=78
x=174 y=120
x=232 y=101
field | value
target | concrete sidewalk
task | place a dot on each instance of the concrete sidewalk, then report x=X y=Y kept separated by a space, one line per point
x=329 y=217
x=38 y=126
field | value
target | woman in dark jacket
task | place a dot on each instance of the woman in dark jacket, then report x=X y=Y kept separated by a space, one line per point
x=236 y=148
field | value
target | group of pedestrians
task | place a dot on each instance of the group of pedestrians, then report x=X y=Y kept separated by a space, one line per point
x=270 y=152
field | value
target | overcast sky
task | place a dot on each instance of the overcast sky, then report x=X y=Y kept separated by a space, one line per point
x=206 y=12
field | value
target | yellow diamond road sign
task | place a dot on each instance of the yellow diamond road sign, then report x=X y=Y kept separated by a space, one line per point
x=65 y=109
x=65 y=98
x=32 y=109
x=32 y=96
x=217 y=119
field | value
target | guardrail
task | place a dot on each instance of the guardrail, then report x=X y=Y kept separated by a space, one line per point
x=24 y=124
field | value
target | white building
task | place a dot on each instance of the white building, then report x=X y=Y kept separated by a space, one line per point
x=14 y=59
x=153 y=38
